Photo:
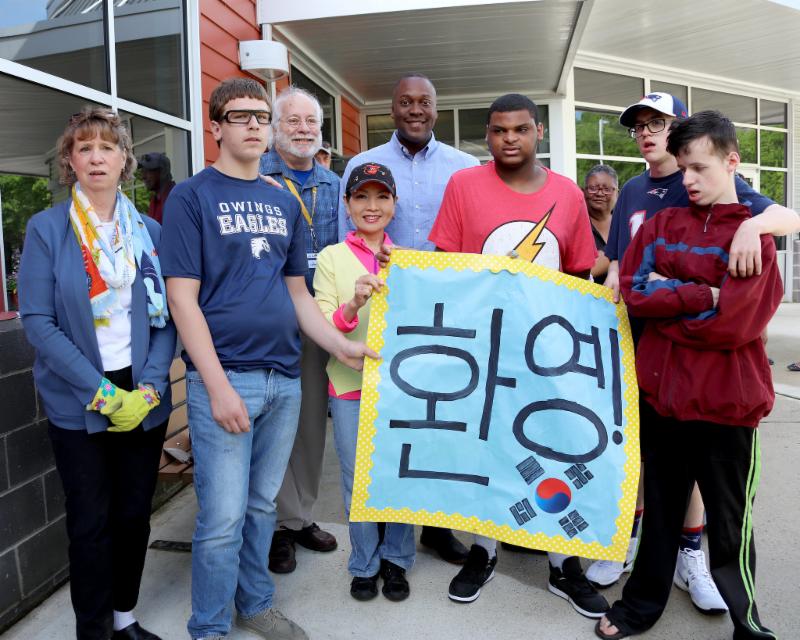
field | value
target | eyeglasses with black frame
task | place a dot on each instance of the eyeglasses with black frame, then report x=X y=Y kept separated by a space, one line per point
x=656 y=125
x=604 y=190
x=242 y=116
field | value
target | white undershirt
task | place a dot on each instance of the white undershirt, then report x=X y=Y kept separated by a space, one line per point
x=114 y=339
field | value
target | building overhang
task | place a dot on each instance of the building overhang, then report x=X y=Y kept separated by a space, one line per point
x=468 y=49
x=475 y=50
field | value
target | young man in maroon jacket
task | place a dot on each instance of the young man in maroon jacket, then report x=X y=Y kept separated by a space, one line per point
x=704 y=377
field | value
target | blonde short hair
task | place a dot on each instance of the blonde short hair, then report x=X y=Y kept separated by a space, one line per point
x=88 y=123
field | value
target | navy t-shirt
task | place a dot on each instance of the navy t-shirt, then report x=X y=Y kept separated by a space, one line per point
x=239 y=238
x=642 y=197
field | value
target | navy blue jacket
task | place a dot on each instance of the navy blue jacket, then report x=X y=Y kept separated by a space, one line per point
x=57 y=317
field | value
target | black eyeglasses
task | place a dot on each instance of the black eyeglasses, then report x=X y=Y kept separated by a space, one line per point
x=604 y=190
x=242 y=116
x=656 y=125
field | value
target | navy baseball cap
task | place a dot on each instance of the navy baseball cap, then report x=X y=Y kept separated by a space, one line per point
x=662 y=102
x=370 y=172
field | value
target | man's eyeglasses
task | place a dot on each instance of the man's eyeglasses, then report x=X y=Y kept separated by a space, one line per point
x=243 y=116
x=294 y=122
x=606 y=191
x=656 y=125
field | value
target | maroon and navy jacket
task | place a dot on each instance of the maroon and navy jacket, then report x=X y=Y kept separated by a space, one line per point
x=694 y=361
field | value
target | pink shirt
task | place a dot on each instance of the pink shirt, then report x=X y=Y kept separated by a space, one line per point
x=481 y=214
x=371 y=264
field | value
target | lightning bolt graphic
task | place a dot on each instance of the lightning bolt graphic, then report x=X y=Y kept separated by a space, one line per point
x=528 y=248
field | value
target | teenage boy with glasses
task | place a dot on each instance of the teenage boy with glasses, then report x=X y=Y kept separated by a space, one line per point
x=234 y=258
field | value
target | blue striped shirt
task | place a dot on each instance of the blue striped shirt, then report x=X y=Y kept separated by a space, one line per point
x=420 y=181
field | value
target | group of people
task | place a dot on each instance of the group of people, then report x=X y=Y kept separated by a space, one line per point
x=266 y=265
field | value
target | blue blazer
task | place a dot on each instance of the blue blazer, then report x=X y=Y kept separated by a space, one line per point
x=57 y=317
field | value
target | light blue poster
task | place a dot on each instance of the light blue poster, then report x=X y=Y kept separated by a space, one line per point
x=504 y=404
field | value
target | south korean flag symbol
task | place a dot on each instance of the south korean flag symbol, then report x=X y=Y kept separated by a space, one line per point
x=259 y=245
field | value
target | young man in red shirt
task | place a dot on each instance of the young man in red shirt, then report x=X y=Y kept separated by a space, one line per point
x=514 y=205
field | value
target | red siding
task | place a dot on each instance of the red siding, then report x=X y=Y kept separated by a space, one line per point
x=351 y=129
x=222 y=26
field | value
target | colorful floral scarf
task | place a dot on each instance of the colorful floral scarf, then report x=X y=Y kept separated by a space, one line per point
x=112 y=267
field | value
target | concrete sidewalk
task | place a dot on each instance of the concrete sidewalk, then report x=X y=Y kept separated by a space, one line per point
x=516 y=603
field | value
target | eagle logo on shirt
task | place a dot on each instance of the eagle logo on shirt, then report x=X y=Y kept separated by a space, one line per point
x=259 y=245
x=658 y=192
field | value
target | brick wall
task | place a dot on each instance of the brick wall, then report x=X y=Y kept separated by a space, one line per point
x=33 y=538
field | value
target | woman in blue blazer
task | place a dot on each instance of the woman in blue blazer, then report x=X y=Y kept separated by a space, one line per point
x=93 y=306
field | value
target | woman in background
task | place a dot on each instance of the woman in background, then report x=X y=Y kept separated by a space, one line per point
x=600 y=189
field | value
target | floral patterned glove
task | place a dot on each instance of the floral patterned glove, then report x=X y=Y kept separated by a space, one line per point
x=108 y=398
x=135 y=407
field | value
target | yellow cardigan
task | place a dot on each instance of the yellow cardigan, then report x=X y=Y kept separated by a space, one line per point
x=334 y=284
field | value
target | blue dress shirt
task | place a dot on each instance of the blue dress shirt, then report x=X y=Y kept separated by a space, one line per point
x=420 y=181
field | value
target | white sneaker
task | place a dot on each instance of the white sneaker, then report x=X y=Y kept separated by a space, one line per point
x=691 y=574
x=604 y=573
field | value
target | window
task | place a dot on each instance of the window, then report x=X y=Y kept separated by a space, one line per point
x=678 y=90
x=773 y=113
x=64 y=39
x=607 y=88
x=600 y=133
x=748 y=152
x=326 y=100
x=150 y=65
x=601 y=139
x=737 y=108
x=68 y=40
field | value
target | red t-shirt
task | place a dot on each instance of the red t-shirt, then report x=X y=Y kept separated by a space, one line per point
x=481 y=214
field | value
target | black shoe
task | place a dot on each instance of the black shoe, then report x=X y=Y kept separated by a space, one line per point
x=443 y=542
x=395 y=585
x=281 y=552
x=477 y=571
x=516 y=549
x=570 y=583
x=364 y=588
x=134 y=632
x=314 y=538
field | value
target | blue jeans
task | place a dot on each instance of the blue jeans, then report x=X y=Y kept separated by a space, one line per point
x=236 y=479
x=368 y=549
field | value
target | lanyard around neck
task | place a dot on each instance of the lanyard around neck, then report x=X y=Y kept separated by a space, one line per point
x=308 y=216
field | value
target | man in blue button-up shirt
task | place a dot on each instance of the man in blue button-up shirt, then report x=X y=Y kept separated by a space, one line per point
x=420 y=164
x=296 y=125
x=421 y=167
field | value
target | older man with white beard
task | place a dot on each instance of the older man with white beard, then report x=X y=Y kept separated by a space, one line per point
x=296 y=126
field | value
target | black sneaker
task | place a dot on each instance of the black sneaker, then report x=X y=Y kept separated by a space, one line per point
x=395 y=585
x=364 y=588
x=570 y=583
x=475 y=573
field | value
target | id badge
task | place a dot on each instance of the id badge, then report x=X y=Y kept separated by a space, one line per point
x=312 y=259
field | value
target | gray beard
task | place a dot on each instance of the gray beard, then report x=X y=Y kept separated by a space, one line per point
x=285 y=145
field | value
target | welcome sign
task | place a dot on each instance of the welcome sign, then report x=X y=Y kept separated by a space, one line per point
x=504 y=404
